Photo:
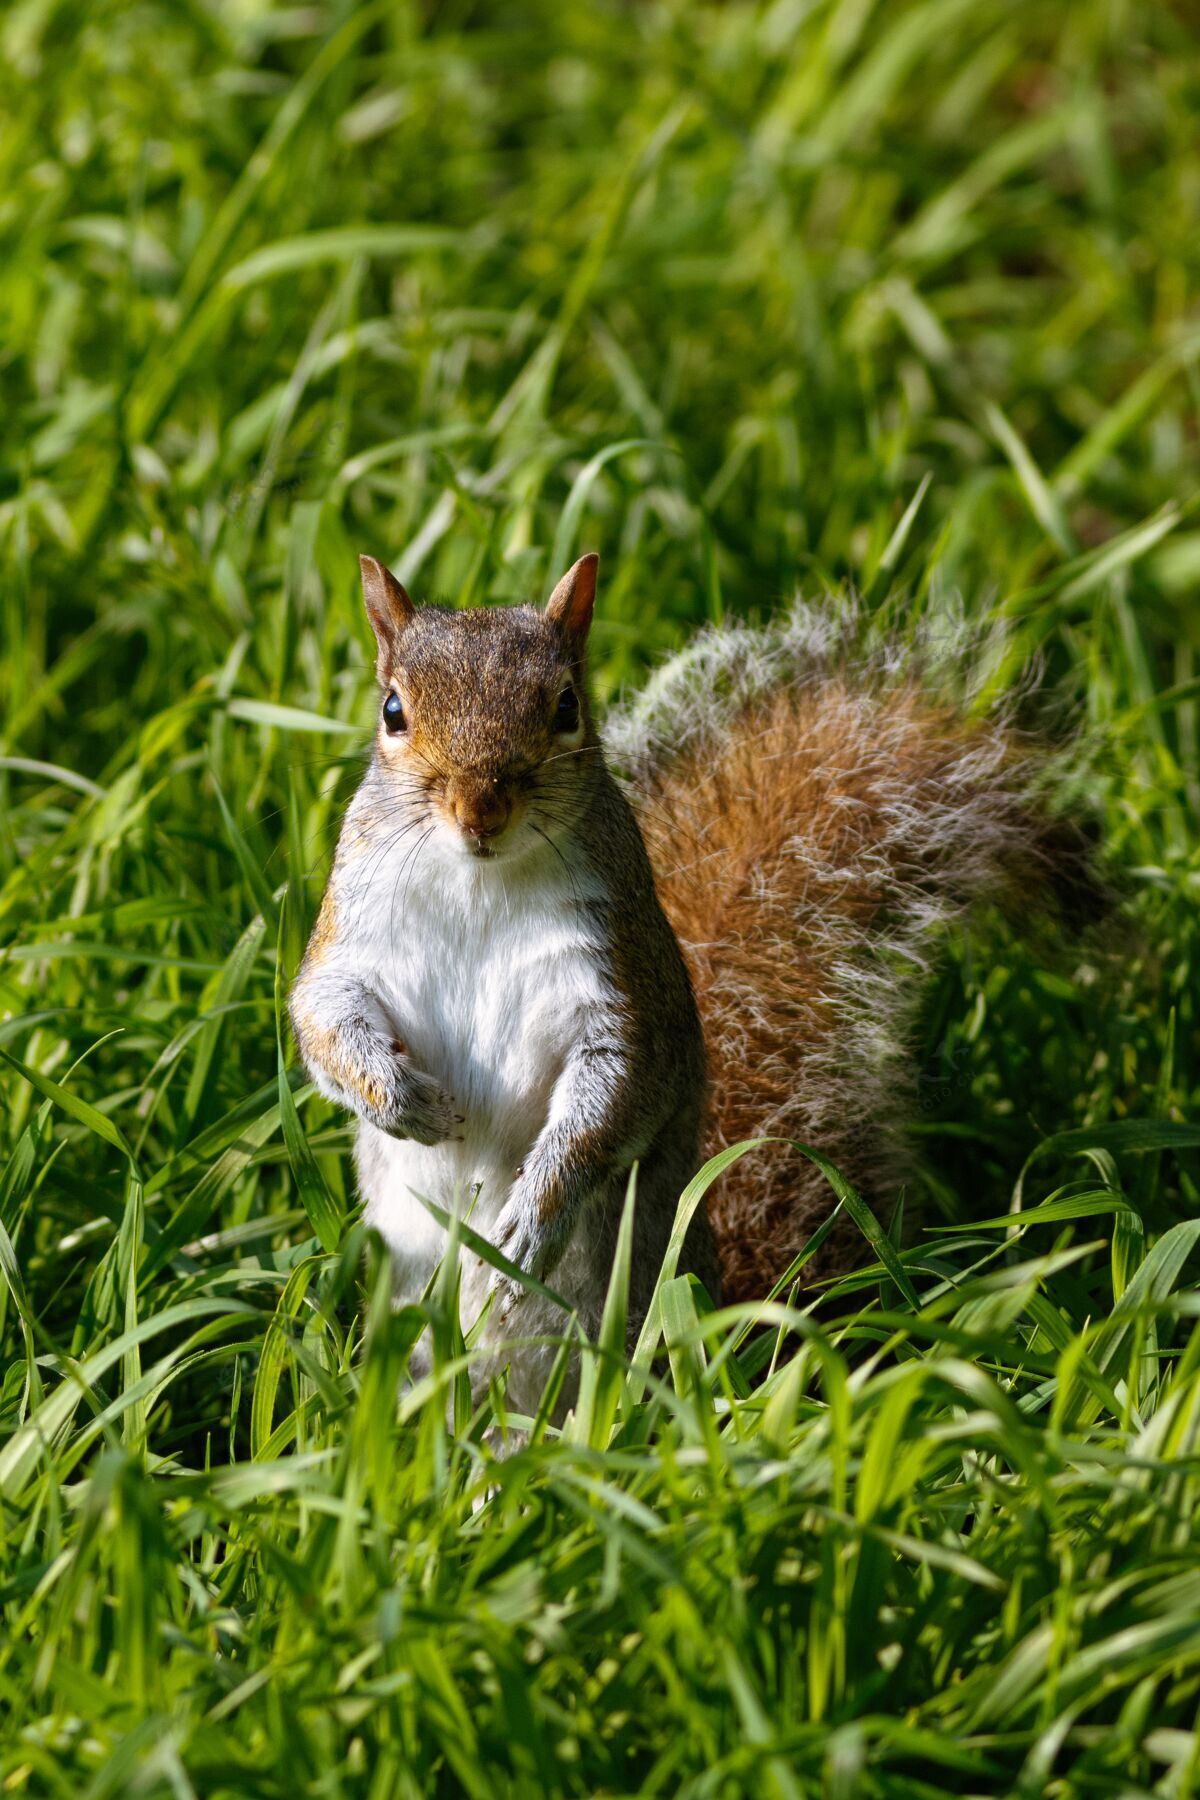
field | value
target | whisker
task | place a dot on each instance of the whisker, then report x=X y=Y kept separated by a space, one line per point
x=580 y=750
x=414 y=855
x=567 y=869
x=376 y=858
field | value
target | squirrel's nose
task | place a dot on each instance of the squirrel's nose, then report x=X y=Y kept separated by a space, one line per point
x=482 y=815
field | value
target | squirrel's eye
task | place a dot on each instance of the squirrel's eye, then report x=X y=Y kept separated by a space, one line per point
x=566 y=716
x=393 y=714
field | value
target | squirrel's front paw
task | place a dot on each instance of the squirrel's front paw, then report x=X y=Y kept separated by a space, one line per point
x=529 y=1240
x=415 y=1105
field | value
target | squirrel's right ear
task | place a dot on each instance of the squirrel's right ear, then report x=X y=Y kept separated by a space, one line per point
x=388 y=607
x=570 y=605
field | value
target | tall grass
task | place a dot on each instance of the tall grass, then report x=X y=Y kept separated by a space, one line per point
x=750 y=296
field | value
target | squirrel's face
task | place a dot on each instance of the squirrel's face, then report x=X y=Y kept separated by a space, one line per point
x=484 y=722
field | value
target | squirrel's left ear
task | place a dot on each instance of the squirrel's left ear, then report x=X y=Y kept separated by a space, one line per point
x=388 y=607
x=570 y=605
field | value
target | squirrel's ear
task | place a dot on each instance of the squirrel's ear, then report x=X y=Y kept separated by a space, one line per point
x=388 y=607
x=570 y=605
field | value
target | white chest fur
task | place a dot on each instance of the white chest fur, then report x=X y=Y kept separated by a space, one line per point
x=487 y=970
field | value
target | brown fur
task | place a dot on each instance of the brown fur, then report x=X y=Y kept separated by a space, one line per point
x=478 y=690
x=781 y=856
x=318 y=1043
x=324 y=932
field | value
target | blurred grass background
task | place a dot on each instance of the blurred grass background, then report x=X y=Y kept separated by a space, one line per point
x=750 y=297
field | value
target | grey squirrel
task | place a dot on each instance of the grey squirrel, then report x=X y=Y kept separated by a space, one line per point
x=495 y=983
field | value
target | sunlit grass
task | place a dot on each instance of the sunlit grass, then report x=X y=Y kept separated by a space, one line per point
x=749 y=297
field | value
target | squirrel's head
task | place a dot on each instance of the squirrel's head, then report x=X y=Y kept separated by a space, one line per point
x=484 y=719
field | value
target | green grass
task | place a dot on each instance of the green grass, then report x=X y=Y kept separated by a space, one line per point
x=748 y=296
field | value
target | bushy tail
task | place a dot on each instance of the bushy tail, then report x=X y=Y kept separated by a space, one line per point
x=816 y=815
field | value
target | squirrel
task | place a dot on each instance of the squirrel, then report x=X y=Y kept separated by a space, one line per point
x=491 y=983
x=527 y=975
